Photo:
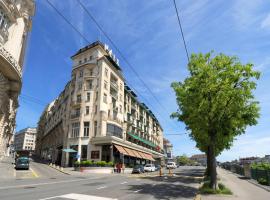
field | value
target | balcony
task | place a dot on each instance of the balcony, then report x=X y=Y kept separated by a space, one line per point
x=114 y=95
x=9 y=66
x=74 y=116
x=114 y=85
x=75 y=103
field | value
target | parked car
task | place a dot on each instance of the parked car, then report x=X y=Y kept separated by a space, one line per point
x=171 y=165
x=22 y=163
x=149 y=168
x=138 y=169
x=157 y=167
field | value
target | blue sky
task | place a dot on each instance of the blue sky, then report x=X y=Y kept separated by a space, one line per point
x=148 y=34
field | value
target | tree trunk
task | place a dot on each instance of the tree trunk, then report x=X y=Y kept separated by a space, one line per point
x=207 y=172
x=212 y=167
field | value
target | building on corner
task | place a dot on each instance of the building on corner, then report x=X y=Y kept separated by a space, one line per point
x=25 y=139
x=15 y=24
x=98 y=117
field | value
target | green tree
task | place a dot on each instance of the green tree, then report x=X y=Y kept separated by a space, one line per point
x=183 y=160
x=216 y=103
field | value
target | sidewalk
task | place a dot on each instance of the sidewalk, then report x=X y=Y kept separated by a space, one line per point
x=6 y=168
x=241 y=188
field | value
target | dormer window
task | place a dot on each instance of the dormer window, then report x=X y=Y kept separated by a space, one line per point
x=91 y=58
x=80 y=62
x=85 y=59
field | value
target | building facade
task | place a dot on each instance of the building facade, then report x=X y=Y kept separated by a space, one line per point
x=98 y=117
x=25 y=139
x=168 y=150
x=199 y=158
x=15 y=23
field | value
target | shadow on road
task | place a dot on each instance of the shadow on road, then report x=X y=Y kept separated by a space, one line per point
x=182 y=184
x=165 y=191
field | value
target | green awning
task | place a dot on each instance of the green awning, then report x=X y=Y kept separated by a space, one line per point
x=69 y=150
x=142 y=140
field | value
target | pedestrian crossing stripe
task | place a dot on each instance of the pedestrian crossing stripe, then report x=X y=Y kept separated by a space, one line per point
x=75 y=196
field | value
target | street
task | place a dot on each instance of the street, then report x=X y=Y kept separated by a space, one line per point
x=51 y=184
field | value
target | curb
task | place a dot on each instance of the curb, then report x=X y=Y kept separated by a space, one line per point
x=62 y=171
x=259 y=185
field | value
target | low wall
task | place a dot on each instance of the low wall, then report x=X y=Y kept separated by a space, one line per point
x=101 y=170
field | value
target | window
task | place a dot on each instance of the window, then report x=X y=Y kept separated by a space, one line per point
x=114 y=130
x=106 y=85
x=105 y=98
x=95 y=109
x=86 y=129
x=88 y=96
x=96 y=95
x=75 y=132
x=77 y=112
x=79 y=85
x=81 y=73
x=91 y=58
x=120 y=97
x=106 y=72
x=121 y=86
x=89 y=84
x=85 y=59
x=80 y=62
x=91 y=72
x=120 y=108
x=79 y=98
x=95 y=128
x=95 y=154
x=87 y=110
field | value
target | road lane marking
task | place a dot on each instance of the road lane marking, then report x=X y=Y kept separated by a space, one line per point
x=102 y=187
x=34 y=173
x=50 y=183
x=124 y=183
x=137 y=191
x=76 y=196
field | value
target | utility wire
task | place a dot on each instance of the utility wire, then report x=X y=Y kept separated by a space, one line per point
x=106 y=35
x=120 y=53
x=180 y=26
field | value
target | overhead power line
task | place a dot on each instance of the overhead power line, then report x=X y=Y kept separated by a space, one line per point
x=181 y=29
x=111 y=41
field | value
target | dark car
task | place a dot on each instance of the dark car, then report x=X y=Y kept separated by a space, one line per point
x=22 y=163
x=138 y=169
x=157 y=167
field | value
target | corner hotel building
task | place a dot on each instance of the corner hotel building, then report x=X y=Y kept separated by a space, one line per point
x=98 y=117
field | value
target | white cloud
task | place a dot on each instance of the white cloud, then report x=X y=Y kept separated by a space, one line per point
x=266 y=22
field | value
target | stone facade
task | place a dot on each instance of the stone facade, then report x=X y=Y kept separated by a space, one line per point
x=15 y=23
x=98 y=116
x=25 y=139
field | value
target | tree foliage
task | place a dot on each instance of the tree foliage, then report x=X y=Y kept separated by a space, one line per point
x=216 y=102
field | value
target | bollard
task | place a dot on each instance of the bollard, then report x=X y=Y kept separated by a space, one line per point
x=170 y=172
x=160 y=172
x=61 y=168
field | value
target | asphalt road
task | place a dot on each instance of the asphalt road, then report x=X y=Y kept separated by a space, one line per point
x=183 y=185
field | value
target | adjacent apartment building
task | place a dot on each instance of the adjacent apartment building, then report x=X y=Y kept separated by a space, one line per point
x=168 y=150
x=15 y=23
x=98 y=117
x=25 y=139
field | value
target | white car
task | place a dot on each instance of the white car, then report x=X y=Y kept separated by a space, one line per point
x=171 y=165
x=149 y=168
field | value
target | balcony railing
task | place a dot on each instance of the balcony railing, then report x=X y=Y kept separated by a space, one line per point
x=114 y=85
x=4 y=53
x=73 y=116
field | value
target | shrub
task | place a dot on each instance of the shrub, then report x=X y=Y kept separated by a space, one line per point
x=262 y=181
x=110 y=164
x=261 y=166
x=101 y=163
